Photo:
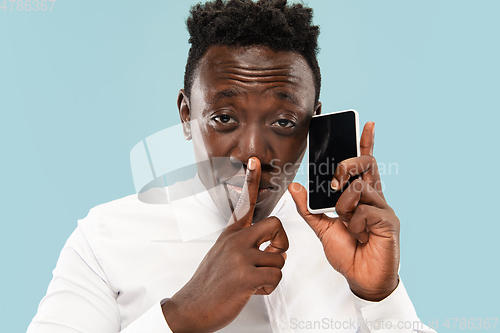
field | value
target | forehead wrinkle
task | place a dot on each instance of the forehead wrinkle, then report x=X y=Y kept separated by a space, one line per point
x=275 y=90
x=251 y=68
x=274 y=85
x=247 y=69
x=283 y=73
x=259 y=79
x=265 y=76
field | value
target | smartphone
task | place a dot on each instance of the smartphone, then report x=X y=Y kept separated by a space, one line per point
x=332 y=138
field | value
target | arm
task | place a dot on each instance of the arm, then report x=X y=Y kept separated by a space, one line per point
x=79 y=298
x=362 y=243
x=233 y=270
x=395 y=313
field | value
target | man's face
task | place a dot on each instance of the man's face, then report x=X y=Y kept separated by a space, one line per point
x=249 y=102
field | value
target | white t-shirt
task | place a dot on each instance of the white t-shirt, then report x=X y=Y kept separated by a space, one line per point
x=127 y=256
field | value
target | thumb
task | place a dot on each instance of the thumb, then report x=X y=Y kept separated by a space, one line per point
x=315 y=221
x=299 y=195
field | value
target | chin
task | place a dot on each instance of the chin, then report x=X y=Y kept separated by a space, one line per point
x=225 y=201
x=260 y=215
x=263 y=211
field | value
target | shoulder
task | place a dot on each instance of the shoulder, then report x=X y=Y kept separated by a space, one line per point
x=129 y=219
x=130 y=201
x=154 y=200
x=146 y=215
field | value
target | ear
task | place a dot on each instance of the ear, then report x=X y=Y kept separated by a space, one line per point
x=184 y=113
x=318 y=109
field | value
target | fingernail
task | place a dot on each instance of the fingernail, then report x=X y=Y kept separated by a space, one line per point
x=251 y=164
x=335 y=184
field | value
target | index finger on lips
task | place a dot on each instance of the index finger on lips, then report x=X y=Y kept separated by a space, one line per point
x=242 y=215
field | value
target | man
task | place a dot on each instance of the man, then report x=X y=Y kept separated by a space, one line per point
x=251 y=86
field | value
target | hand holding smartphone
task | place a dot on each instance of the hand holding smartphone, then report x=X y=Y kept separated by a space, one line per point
x=332 y=138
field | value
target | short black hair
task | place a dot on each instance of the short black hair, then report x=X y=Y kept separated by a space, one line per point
x=271 y=23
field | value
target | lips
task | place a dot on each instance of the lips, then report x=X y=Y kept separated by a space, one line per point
x=235 y=187
x=239 y=189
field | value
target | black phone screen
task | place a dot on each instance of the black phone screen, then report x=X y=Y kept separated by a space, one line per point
x=332 y=139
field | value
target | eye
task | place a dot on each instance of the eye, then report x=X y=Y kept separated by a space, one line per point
x=285 y=123
x=225 y=119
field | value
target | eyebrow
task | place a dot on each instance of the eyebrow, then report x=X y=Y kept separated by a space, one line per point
x=226 y=93
x=286 y=96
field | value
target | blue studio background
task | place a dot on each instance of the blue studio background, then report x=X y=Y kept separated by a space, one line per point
x=82 y=83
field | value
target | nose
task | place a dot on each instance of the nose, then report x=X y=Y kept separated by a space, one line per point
x=252 y=142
